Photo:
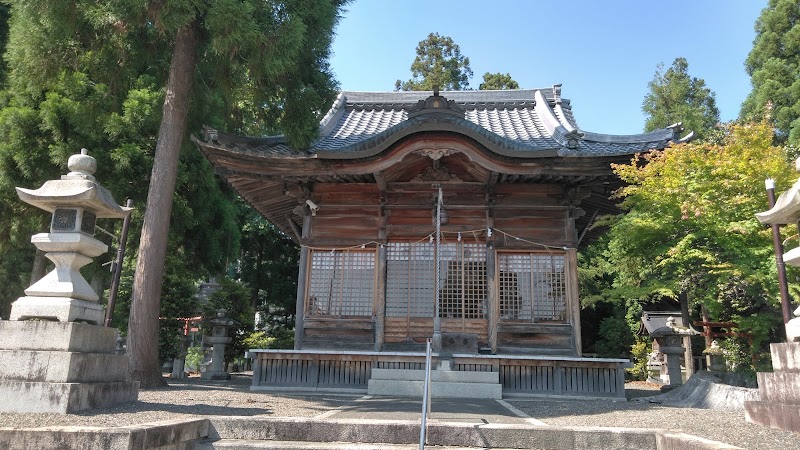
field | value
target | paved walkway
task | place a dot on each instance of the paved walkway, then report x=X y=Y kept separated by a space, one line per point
x=442 y=410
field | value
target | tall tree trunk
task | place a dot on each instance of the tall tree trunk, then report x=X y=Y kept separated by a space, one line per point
x=146 y=297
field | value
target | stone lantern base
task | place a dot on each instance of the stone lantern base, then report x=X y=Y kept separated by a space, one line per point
x=61 y=367
x=779 y=406
x=61 y=309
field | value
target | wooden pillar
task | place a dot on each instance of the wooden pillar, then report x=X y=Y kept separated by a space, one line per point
x=380 y=297
x=302 y=281
x=573 y=302
x=491 y=287
x=380 y=269
x=493 y=307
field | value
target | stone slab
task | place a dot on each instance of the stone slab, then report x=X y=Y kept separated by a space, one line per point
x=785 y=356
x=57 y=336
x=250 y=432
x=773 y=415
x=779 y=387
x=63 y=398
x=61 y=309
x=436 y=375
x=401 y=388
x=62 y=367
x=168 y=434
x=460 y=343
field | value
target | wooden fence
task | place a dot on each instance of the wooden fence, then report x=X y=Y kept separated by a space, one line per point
x=305 y=370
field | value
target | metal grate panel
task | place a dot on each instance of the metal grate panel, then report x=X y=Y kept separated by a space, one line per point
x=532 y=286
x=342 y=283
x=411 y=280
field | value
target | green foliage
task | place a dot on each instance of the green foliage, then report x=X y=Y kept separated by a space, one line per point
x=92 y=74
x=640 y=352
x=268 y=263
x=677 y=97
x=690 y=229
x=615 y=337
x=233 y=297
x=497 y=81
x=439 y=64
x=282 y=339
x=774 y=68
x=194 y=357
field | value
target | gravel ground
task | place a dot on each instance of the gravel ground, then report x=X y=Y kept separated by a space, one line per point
x=193 y=397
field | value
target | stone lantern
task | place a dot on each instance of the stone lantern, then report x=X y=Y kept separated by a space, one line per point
x=54 y=355
x=715 y=358
x=218 y=339
x=670 y=342
x=76 y=202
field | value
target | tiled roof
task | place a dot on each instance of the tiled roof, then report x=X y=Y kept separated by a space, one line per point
x=524 y=123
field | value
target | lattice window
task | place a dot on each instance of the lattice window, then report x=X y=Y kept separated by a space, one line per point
x=342 y=283
x=463 y=281
x=411 y=280
x=532 y=286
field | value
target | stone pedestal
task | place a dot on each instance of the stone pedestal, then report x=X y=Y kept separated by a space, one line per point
x=57 y=367
x=779 y=406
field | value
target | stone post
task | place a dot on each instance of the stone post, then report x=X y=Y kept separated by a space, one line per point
x=179 y=363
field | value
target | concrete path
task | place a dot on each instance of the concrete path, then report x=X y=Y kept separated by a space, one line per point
x=481 y=411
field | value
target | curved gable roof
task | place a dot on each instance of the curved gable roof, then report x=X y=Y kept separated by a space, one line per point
x=520 y=123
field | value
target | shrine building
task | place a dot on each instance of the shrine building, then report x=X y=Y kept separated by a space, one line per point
x=520 y=185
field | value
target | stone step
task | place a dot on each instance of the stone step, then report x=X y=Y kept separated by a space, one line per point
x=439 y=389
x=286 y=433
x=436 y=375
x=785 y=356
x=235 y=444
x=780 y=387
x=773 y=415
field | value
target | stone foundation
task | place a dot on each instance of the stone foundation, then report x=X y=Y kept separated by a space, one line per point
x=57 y=367
x=779 y=406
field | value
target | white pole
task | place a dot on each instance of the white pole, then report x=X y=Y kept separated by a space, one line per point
x=426 y=400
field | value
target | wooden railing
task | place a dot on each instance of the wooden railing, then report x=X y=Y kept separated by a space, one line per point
x=306 y=370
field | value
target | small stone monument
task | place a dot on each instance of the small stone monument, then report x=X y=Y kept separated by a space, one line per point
x=779 y=406
x=218 y=339
x=54 y=355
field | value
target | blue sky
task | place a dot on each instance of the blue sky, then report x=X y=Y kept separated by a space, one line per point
x=604 y=52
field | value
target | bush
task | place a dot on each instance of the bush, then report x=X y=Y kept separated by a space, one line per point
x=640 y=352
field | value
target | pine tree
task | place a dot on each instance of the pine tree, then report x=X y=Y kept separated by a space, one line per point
x=497 y=81
x=439 y=64
x=675 y=97
x=774 y=68
x=93 y=74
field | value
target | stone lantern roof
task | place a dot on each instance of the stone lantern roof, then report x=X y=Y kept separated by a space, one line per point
x=77 y=188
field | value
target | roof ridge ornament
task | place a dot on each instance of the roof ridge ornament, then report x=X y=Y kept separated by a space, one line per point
x=557 y=93
x=436 y=104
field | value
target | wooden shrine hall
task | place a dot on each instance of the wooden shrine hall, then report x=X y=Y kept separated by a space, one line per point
x=520 y=186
